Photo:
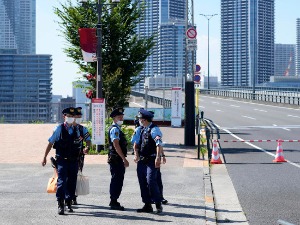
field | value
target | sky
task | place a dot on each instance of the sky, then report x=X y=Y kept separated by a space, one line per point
x=64 y=72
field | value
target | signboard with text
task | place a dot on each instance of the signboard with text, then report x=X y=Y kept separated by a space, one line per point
x=98 y=121
x=176 y=107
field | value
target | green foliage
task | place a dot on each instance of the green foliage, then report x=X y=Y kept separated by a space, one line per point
x=37 y=122
x=2 y=119
x=123 y=52
x=127 y=131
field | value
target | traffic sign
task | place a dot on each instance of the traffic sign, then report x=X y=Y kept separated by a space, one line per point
x=197 y=86
x=197 y=78
x=198 y=68
x=191 y=44
x=191 y=33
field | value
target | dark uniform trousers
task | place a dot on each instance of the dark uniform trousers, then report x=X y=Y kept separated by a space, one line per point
x=117 y=171
x=67 y=178
x=159 y=182
x=147 y=176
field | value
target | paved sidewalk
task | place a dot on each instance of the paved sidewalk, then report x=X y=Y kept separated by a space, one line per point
x=23 y=197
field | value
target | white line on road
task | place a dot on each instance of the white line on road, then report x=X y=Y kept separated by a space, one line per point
x=216 y=103
x=237 y=106
x=261 y=149
x=294 y=116
x=248 y=117
x=218 y=110
x=260 y=110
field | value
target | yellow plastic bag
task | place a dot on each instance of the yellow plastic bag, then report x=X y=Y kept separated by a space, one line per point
x=52 y=183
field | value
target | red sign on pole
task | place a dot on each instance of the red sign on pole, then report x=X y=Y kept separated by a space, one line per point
x=191 y=33
x=88 y=43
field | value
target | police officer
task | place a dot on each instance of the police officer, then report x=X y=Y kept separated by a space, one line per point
x=148 y=162
x=117 y=157
x=67 y=144
x=83 y=132
x=136 y=146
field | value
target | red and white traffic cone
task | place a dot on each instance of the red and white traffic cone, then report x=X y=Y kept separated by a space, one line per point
x=279 y=152
x=215 y=156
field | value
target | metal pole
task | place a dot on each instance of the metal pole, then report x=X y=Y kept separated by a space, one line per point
x=99 y=51
x=99 y=60
x=208 y=17
x=208 y=54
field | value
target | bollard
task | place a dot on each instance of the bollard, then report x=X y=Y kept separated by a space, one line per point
x=207 y=133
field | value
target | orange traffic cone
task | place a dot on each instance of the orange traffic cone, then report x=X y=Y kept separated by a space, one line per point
x=215 y=156
x=279 y=153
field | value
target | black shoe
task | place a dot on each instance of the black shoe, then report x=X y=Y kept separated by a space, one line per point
x=61 y=207
x=147 y=208
x=164 y=201
x=116 y=206
x=159 y=207
x=74 y=201
x=69 y=205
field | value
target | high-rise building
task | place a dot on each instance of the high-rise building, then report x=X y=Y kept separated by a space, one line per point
x=80 y=98
x=166 y=20
x=25 y=78
x=17 y=26
x=247 y=42
x=284 y=60
x=298 y=47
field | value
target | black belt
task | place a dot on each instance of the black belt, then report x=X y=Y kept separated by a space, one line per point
x=67 y=158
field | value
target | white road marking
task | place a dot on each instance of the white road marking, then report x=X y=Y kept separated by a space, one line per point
x=237 y=106
x=217 y=103
x=294 y=116
x=261 y=149
x=248 y=117
x=218 y=110
x=260 y=110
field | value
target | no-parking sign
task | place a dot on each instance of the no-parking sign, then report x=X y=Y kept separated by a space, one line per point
x=191 y=33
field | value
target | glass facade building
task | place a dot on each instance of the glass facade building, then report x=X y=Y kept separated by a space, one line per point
x=25 y=77
x=284 y=60
x=166 y=20
x=247 y=42
x=298 y=47
x=18 y=26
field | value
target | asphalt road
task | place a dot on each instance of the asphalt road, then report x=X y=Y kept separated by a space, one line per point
x=267 y=191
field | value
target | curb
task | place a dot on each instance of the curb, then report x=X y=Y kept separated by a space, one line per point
x=210 y=210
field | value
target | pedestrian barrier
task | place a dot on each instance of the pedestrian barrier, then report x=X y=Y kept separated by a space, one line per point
x=215 y=156
x=279 y=153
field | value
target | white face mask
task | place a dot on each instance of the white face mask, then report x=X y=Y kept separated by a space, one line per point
x=78 y=120
x=119 y=122
x=140 y=122
x=69 y=120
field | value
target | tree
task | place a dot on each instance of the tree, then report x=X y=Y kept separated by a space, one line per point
x=123 y=52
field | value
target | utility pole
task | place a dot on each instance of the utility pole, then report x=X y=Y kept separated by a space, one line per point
x=189 y=122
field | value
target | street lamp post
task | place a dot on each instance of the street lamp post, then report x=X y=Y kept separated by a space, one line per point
x=99 y=80
x=208 y=17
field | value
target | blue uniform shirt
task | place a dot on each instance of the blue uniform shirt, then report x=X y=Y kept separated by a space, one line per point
x=57 y=131
x=85 y=131
x=155 y=134
x=115 y=132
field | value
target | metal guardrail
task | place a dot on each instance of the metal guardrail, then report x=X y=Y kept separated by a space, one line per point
x=283 y=96
x=291 y=98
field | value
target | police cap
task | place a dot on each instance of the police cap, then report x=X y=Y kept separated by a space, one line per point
x=117 y=112
x=69 y=110
x=145 y=114
x=78 y=111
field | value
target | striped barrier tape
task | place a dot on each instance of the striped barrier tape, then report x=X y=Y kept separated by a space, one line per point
x=261 y=140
